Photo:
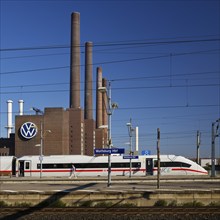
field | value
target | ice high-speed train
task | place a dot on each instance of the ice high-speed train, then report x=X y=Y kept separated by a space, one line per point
x=61 y=165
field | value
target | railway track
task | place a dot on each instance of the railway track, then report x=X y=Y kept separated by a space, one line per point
x=35 y=213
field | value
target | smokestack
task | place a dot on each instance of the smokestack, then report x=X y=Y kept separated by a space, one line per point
x=104 y=104
x=9 y=125
x=98 y=97
x=21 y=106
x=75 y=61
x=88 y=81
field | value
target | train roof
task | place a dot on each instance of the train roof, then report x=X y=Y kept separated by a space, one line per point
x=78 y=157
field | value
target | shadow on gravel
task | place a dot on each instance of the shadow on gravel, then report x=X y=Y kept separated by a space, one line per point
x=46 y=203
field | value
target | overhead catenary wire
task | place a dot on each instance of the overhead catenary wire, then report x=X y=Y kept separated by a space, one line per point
x=119 y=79
x=159 y=107
x=102 y=63
x=120 y=88
x=110 y=44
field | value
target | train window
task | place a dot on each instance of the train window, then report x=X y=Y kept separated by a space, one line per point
x=172 y=164
x=27 y=165
x=88 y=165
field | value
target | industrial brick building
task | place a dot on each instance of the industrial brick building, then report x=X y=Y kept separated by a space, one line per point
x=72 y=130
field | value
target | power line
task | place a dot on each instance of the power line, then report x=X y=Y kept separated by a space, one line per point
x=162 y=76
x=129 y=79
x=160 y=107
x=37 y=55
x=159 y=42
x=106 y=62
x=168 y=86
x=124 y=43
x=120 y=88
x=35 y=70
x=171 y=106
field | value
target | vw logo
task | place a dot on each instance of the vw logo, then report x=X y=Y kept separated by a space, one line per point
x=28 y=130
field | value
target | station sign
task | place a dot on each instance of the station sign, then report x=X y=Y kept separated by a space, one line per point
x=109 y=151
x=146 y=152
x=130 y=157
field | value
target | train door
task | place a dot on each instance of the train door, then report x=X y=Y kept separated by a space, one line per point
x=149 y=166
x=24 y=168
x=27 y=168
x=14 y=167
x=21 y=168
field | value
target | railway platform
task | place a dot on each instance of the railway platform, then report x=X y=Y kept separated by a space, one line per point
x=139 y=191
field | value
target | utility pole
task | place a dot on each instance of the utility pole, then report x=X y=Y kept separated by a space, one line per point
x=214 y=135
x=130 y=130
x=158 y=158
x=109 y=132
x=111 y=108
x=198 y=145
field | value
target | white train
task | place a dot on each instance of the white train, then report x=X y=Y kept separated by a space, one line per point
x=61 y=165
x=8 y=166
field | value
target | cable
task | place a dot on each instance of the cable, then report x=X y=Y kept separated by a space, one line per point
x=35 y=70
x=112 y=44
x=168 y=86
x=165 y=107
x=106 y=62
x=38 y=55
x=162 y=76
x=120 y=88
x=119 y=79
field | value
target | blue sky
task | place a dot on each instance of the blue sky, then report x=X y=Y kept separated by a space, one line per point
x=161 y=56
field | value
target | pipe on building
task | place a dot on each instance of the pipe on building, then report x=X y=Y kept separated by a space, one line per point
x=88 y=81
x=21 y=106
x=9 y=126
x=75 y=61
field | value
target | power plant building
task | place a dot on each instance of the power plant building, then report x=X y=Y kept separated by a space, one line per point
x=71 y=131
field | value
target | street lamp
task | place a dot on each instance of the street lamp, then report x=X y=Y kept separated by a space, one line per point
x=37 y=111
x=130 y=130
x=41 y=145
x=110 y=109
x=214 y=135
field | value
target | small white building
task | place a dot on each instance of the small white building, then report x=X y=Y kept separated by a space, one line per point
x=207 y=161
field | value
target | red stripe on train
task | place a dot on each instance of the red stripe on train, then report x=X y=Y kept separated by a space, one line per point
x=191 y=170
x=83 y=171
x=185 y=169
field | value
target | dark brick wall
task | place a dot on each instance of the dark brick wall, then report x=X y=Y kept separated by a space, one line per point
x=24 y=146
x=89 y=136
x=69 y=133
x=76 y=131
x=7 y=145
x=56 y=142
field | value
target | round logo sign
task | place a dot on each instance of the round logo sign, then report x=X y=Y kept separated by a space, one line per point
x=28 y=130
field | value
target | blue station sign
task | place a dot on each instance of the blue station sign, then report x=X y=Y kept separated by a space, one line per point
x=130 y=157
x=146 y=152
x=109 y=151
